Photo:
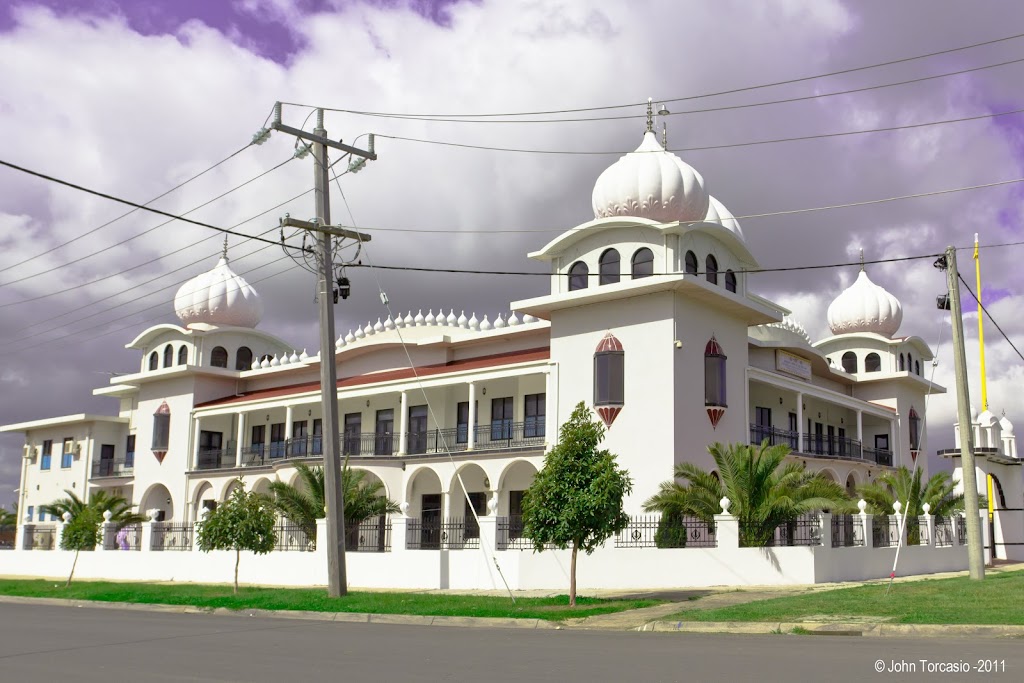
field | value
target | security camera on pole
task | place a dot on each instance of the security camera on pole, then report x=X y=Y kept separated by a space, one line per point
x=327 y=292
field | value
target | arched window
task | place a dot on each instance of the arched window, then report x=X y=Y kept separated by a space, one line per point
x=850 y=362
x=609 y=373
x=643 y=263
x=910 y=360
x=917 y=368
x=903 y=365
x=161 y=429
x=154 y=360
x=714 y=375
x=609 y=267
x=872 y=363
x=691 y=263
x=915 y=429
x=243 y=359
x=711 y=268
x=730 y=281
x=578 y=276
x=183 y=355
x=219 y=357
x=168 y=356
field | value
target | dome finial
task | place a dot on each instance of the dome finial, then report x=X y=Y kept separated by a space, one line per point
x=663 y=112
x=862 y=258
x=225 y=254
x=650 y=115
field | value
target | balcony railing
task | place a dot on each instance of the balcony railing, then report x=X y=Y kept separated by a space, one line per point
x=113 y=468
x=216 y=459
x=820 y=445
x=881 y=456
x=832 y=446
x=758 y=434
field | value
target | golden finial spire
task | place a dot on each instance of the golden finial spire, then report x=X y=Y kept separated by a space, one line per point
x=663 y=112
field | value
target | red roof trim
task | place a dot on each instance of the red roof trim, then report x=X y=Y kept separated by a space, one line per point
x=477 y=363
x=890 y=409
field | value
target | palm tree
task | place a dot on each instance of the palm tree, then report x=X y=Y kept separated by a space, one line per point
x=305 y=504
x=9 y=517
x=906 y=486
x=764 y=491
x=101 y=501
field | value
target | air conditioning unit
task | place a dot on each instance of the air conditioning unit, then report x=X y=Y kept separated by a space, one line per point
x=30 y=451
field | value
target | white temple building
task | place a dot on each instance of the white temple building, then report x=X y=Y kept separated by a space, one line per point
x=650 y=320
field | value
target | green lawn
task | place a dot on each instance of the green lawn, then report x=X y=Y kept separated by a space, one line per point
x=996 y=600
x=316 y=600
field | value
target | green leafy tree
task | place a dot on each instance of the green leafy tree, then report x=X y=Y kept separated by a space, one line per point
x=304 y=504
x=81 y=532
x=908 y=488
x=245 y=521
x=576 y=499
x=764 y=491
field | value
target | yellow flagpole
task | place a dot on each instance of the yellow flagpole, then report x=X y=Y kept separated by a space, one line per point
x=981 y=325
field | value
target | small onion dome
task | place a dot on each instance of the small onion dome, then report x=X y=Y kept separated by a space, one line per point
x=987 y=418
x=717 y=213
x=609 y=343
x=651 y=183
x=865 y=307
x=218 y=297
x=1005 y=426
x=713 y=348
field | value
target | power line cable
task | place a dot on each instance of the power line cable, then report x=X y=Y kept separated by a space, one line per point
x=689 y=97
x=989 y=316
x=124 y=215
x=702 y=147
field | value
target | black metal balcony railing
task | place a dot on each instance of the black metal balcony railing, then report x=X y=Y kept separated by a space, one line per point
x=881 y=456
x=217 y=459
x=802 y=531
x=39 y=537
x=832 y=446
x=113 y=468
x=820 y=445
x=847 y=531
x=437 y=534
x=172 y=536
x=128 y=537
x=759 y=434
x=657 y=531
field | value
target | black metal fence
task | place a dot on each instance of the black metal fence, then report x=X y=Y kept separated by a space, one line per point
x=172 y=536
x=113 y=468
x=961 y=529
x=943 y=532
x=8 y=532
x=39 y=537
x=847 y=531
x=805 y=530
x=128 y=537
x=878 y=455
x=437 y=534
x=370 y=536
x=511 y=535
x=291 y=536
x=656 y=531
x=917 y=531
x=774 y=436
x=885 y=532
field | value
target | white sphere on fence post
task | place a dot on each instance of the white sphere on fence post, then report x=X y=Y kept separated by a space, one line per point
x=927 y=507
x=66 y=516
x=897 y=506
x=107 y=514
x=862 y=505
x=725 y=503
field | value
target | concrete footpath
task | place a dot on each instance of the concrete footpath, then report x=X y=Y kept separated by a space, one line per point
x=647 y=619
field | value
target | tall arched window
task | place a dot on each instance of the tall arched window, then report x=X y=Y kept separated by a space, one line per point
x=730 y=281
x=154 y=360
x=903 y=365
x=910 y=360
x=578 y=276
x=691 y=263
x=917 y=368
x=915 y=429
x=609 y=378
x=643 y=263
x=183 y=355
x=850 y=362
x=872 y=363
x=609 y=267
x=714 y=375
x=168 y=356
x=219 y=357
x=243 y=359
x=711 y=268
x=161 y=430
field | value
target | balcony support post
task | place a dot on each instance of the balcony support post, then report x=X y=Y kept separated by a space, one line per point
x=239 y=439
x=195 y=444
x=800 y=421
x=289 y=414
x=471 y=434
x=403 y=429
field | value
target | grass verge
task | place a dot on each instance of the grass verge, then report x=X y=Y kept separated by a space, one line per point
x=316 y=600
x=929 y=601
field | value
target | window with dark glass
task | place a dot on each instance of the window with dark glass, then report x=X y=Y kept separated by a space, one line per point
x=219 y=357
x=872 y=363
x=161 y=430
x=915 y=430
x=417 y=437
x=730 y=281
x=691 y=263
x=477 y=502
x=168 y=356
x=643 y=263
x=183 y=355
x=277 y=440
x=384 y=432
x=257 y=441
x=711 y=269
x=850 y=362
x=353 y=434
x=154 y=360
x=129 y=451
x=47 y=454
x=609 y=378
x=533 y=419
x=316 y=441
x=902 y=363
x=609 y=267
x=462 y=422
x=762 y=427
x=501 y=418
x=299 y=438
x=714 y=375
x=68 y=453
x=579 y=274
x=243 y=358
x=917 y=368
x=211 y=449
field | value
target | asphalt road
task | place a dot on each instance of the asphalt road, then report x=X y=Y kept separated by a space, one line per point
x=47 y=643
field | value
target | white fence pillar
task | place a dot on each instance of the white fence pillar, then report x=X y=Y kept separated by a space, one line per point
x=489 y=533
x=19 y=534
x=928 y=521
x=867 y=523
x=826 y=531
x=727 y=531
x=146 y=536
x=399 y=524
x=322 y=538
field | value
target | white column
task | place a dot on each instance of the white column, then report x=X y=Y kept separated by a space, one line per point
x=146 y=540
x=799 y=421
x=195 y=446
x=549 y=401
x=288 y=418
x=239 y=439
x=471 y=436
x=403 y=426
x=399 y=526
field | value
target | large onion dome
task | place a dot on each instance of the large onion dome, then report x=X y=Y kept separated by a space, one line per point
x=865 y=307
x=717 y=213
x=219 y=297
x=651 y=183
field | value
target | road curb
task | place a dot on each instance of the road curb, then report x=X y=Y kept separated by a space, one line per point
x=874 y=629
x=346 y=617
